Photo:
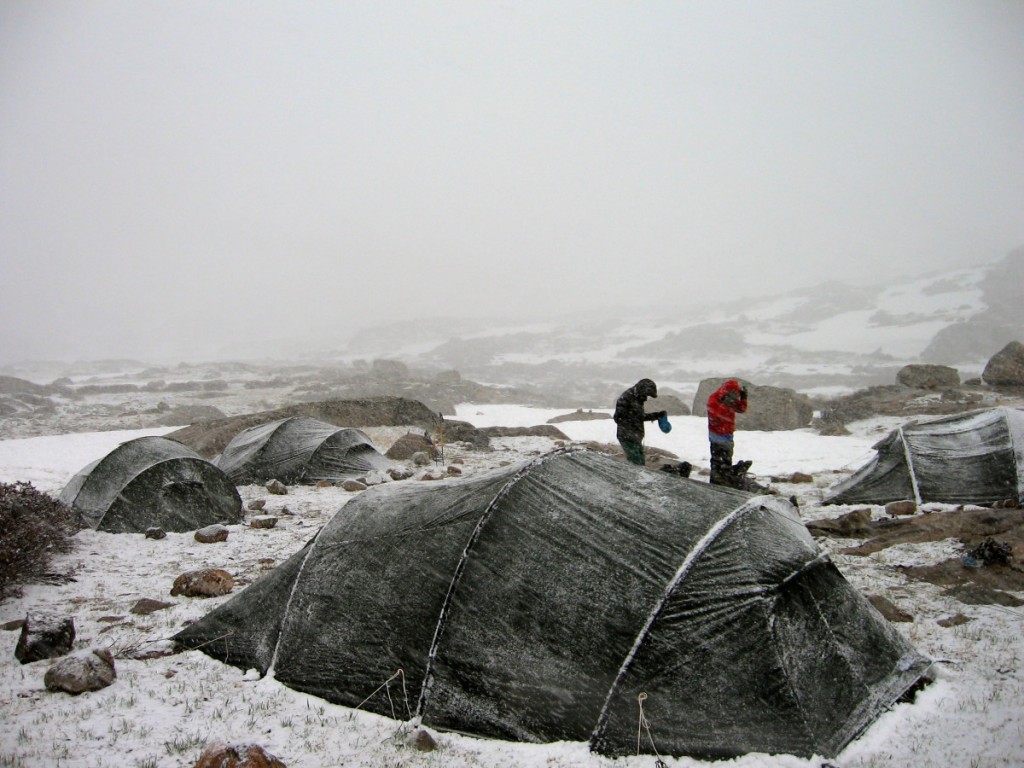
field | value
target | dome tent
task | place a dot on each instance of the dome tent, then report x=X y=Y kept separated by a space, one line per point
x=299 y=449
x=969 y=458
x=152 y=482
x=538 y=601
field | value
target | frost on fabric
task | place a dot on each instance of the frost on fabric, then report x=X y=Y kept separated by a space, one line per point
x=152 y=481
x=536 y=602
x=299 y=449
x=971 y=458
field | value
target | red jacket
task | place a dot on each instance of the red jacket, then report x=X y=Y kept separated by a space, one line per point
x=723 y=405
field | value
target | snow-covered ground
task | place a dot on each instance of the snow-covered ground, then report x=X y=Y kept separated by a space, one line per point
x=162 y=711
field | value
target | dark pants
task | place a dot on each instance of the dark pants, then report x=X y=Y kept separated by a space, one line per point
x=721 y=463
x=634 y=452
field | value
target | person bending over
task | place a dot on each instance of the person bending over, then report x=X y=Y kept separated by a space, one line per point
x=630 y=417
x=723 y=405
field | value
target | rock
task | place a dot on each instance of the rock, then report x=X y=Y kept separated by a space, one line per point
x=399 y=474
x=256 y=505
x=221 y=755
x=148 y=605
x=954 y=621
x=898 y=508
x=888 y=609
x=453 y=470
x=801 y=477
x=44 y=636
x=421 y=741
x=580 y=415
x=156 y=533
x=409 y=444
x=769 y=409
x=211 y=534
x=376 y=477
x=855 y=524
x=263 y=521
x=323 y=483
x=207 y=582
x=421 y=458
x=353 y=486
x=928 y=376
x=431 y=476
x=81 y=672
x=277 y=488
x=1006 y=367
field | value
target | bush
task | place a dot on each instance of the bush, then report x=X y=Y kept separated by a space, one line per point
x=33 y=527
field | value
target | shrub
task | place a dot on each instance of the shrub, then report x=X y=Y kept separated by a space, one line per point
x=33 y=527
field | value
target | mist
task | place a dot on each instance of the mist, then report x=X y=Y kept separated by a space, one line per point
x=184 y=179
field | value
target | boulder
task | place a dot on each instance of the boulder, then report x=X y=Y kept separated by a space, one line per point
x=769 y=409
x=81 y=672
x=263 y=521
x=928 y=377
x=44 y=636
x=1006 y=367
x=221 y=755
x=277 y=488
x=206 y=582
x=256 y=504
x=211 y=534
x=409 y=444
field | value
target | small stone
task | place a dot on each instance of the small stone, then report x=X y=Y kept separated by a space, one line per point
x=277 y=488
x=256 y=504
x=44 y=636
x=421 y=741
x=897 y=508
x=148 y=605
x=353 y=486
x=212 y=534
x=453 y=470
x=801 y=477
x=421 y=458
x=399 y=474
x=954 y=621
x=156 y=533
x=221 y=755
x=889 y=609
x=208 y=582
x=81 y=672
x=323 y=484
x=263 y=521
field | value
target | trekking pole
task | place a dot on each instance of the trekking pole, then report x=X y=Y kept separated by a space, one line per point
x=440 y=436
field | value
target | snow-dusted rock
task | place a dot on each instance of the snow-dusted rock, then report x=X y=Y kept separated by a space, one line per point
x=44 y=636
x=81 y=672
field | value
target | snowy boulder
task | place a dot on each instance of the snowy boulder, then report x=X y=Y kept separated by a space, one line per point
x=81 y=672
x=211 y=534
x=928 y=377
x=207 y=582
x=44 y=636
x=1006 y=367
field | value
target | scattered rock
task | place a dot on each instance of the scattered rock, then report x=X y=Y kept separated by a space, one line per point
x=207 y=582
x=376 y=477
x=277 y=488
x=539 y=430
x=323 y=484
x=256 y=505
x=353 y=486
x=212 y=534
x=920 y=376
x=889 y=609
x=147 y=605
x=421 y=741
x=431 y=476
x=156 y=533
x=81 y=672
x=801 y=477
x=580 y=415
x=1006 y=367
x=980 y=594
x=263 y=521
x=221 y=755
x=954 y=621
x=421 y=458
x=900 y=508
x=453 y=470
x=44 y=636
x=399 y=474
x=855 y=524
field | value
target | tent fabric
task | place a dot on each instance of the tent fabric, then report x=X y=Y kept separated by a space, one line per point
x=537 y=602
x=969 y=458
x=299 y=449
x=152 y=482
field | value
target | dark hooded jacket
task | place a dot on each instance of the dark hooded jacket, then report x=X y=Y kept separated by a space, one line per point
x=629 y=411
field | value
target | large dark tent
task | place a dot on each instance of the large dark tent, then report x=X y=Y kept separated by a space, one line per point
x=152 y=482
x=299 y=449
x=969 y=458
x=537 y=602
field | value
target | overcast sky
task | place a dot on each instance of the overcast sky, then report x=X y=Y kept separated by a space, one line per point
x=178 y=172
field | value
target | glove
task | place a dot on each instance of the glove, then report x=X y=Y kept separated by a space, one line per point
x=743 y=393
x=662 y=414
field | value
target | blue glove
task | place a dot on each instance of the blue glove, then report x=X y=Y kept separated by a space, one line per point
x=663 y=423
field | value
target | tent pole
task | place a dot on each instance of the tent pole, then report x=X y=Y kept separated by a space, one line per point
x=910 y=467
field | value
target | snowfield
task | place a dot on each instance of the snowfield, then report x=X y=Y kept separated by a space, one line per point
x=163 y=709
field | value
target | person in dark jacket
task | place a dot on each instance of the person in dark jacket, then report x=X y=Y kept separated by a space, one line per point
x=723 y=405
x=630 y=418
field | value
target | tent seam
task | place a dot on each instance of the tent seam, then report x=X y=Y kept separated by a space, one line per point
x=288 y=606
x=715 y=531
x=910 y=467
x=442 y=619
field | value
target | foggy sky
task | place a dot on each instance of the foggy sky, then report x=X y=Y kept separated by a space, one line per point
x=188 y=175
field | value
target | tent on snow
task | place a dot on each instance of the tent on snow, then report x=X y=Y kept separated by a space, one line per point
x=537 y=602
x=969 y=458
x=299 y=449
x=152 y=482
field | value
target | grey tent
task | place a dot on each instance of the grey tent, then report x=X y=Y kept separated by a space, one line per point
x=969 y=458
x=299 y=449
x=537 y=602
x=152 y=482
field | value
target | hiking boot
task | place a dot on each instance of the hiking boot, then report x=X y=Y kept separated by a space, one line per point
x=741 y=467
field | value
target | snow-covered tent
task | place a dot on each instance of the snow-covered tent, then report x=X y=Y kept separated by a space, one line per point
x=152 y=482
x=539 y=601
x=299 y=449
x=969 y=458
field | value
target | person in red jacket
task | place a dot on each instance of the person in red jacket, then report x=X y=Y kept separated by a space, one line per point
x=723 y=405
